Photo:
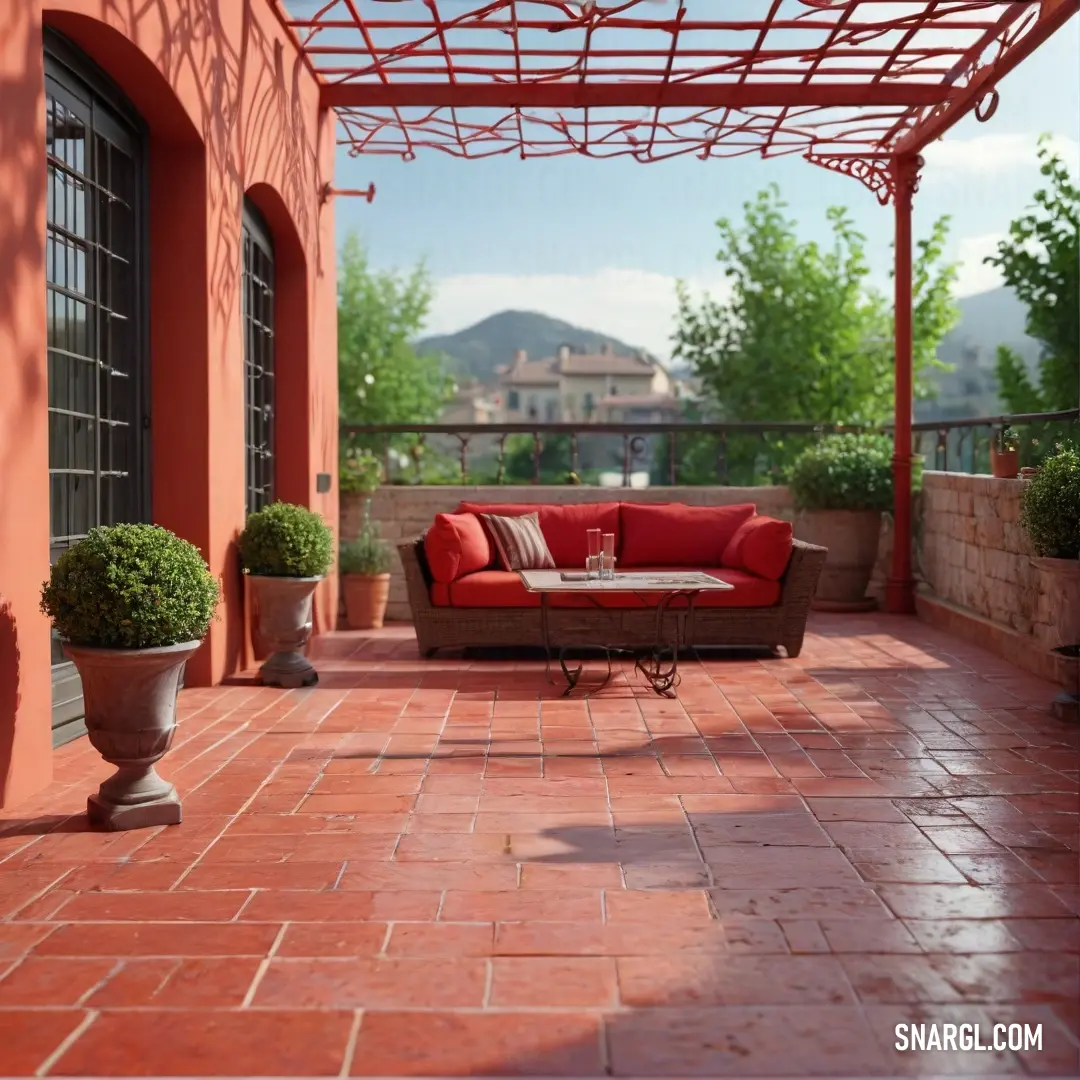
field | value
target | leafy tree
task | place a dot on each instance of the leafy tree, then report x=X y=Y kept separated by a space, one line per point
x=1040 y=260
x=519 y=466
x=381 y=377
x=805 y=336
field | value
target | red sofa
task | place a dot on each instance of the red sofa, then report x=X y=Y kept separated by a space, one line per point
x=461 y=597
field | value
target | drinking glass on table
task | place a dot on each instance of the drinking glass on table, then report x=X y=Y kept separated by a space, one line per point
x=607 y=557
x=592 y=560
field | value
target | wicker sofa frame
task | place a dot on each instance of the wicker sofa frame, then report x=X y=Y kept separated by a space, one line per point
x=782 y=625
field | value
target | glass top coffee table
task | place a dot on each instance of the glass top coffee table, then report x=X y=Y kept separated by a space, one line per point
x=658 y=589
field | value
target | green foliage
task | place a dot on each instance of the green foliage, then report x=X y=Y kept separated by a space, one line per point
x=1007 y=439
x=283 y=540
x=368 y=554
x=844 y=472
x=1040 y=260
x=519 y=466
x=804 y=336
x=130 y=587
x=381 y=378
x=360 y=471
x=1050 y=511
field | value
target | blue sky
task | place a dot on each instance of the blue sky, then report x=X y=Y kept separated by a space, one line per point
x=600 y=243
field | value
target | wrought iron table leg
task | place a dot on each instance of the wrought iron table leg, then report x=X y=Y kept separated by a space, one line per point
x=573 y=676
x=545 y=636
x=661 y=673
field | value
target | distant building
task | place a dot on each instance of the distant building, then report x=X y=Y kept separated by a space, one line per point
x=472 y=403
x=578 y=387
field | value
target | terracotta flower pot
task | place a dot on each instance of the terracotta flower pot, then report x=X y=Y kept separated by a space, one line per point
x=1061 y=584
x=283 y=609
x=366 y=597
x=130 y=701
x=1004 y=464
x=852 y=539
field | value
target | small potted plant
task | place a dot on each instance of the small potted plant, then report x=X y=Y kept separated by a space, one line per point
x=361 y=472
x=286 y=551
x=131 y=604
x=365 y=568
x=1005 y=454
x=841 y=487
x=1050 y=515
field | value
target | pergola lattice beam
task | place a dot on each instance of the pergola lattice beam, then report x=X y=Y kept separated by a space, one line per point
x=830 y=80
x=614 y=95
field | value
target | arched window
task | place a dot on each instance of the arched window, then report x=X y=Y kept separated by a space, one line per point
x=258 y=318
x=96 y=305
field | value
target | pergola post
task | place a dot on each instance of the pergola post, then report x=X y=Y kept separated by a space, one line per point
x=900 y=586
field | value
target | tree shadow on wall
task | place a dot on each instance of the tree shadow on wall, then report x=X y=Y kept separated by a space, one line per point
x=9 y=691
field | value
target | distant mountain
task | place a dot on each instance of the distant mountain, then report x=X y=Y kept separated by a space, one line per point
x=478 y=350
x=987 y=320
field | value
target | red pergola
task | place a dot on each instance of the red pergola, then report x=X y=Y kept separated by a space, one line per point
x=859 y=87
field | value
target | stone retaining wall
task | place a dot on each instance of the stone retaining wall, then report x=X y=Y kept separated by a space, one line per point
x=975 y=553
x=409 y=510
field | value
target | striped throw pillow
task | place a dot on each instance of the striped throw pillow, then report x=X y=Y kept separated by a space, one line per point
x=520 y=543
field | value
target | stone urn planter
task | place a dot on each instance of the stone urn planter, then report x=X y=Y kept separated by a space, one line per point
x=852 y=539
x=365 y=570
x=132 y=604
x=130 y=699
x=1060 y=581
x=841 y=486
x=284 y=608
x=286 y=551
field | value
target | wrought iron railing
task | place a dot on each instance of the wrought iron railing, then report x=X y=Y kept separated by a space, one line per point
x=671 y=454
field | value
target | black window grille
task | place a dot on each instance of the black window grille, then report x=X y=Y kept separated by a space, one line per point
x=95 y=304
x=258 y=314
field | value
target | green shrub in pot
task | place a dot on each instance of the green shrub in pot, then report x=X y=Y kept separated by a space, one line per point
x=1050 y=506
x=285 y=540
x=841 y=486
x=845 y=472
x=132 y=604
x=1050 y=515
x=286 y=551
x=130 y=587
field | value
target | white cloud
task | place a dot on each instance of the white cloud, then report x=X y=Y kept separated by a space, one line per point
x=636 y=306
x=993 y=154
x=973 y=274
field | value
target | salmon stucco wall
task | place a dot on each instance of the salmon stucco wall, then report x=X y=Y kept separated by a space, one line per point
x=231 y=110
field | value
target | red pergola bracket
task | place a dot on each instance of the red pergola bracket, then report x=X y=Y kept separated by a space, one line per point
x=874 y=173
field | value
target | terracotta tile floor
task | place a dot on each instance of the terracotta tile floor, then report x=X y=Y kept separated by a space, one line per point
x=443 y=868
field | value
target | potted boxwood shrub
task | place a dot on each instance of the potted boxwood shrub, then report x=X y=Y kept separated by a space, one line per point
x=286 y=551
x=1005 y=454
x=841 y=487
x=365 y=573
x=131 y=603
x=1050 y=514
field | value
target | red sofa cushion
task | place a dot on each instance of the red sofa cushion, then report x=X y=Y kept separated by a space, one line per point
x=455 y=545
x=676 y=535
x=491 y=589
x=503 y=589
x=760 y=546
x=563 y=525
